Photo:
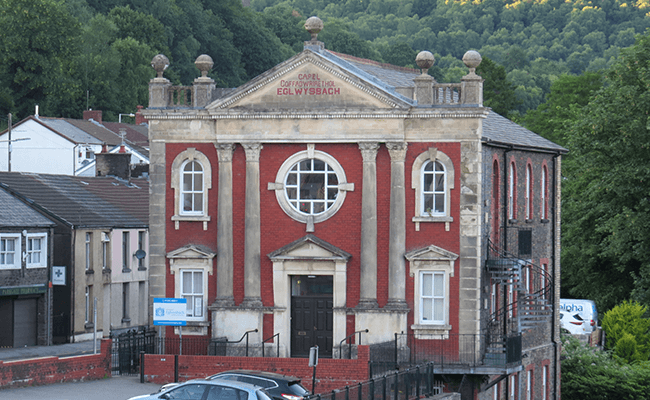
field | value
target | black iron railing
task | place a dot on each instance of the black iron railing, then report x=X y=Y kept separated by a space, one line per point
x=409 y=384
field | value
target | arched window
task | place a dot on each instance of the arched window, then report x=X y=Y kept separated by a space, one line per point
x=512 y=192
x=434 y=189
x=432 y=177
x=192 y=189
x=191 y=178
x=543 y=192
x=529 y=191
x=496 y=204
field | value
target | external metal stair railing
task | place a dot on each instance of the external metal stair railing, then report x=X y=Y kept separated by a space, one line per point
x=526 y=310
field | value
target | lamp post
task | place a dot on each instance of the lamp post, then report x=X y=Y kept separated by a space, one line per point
x=119 y=118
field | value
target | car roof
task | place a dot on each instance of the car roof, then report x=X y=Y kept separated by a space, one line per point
x=223 y=382
x=263 y=374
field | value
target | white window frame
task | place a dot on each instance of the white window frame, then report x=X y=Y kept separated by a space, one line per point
x=417 y=183
x=430 y=260
x=89 y=251
x=544 y=179
x=544 y=382
x=513 y=389
x=17 y=264
x=106 y=241
x=42 y=263
x=512 y=187
x=434 y=297
x=194 y=296
x=529 y=191
x=181 y=160
x=280 y=187
x=196 y=170
x=87 y=312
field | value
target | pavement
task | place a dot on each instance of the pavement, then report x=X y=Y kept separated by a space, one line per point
x=60 y=350
x=114 y=388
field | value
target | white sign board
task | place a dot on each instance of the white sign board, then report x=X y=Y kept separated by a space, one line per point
x=58 y=276
x=170 y=312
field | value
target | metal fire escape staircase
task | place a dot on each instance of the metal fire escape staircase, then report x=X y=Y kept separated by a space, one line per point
x=528 y=309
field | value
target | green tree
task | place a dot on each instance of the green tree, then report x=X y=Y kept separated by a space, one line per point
x=38 y=40
x=606 y=207
x=498 y=92
x=589 y=373
x=569 y=93
x=628 y=332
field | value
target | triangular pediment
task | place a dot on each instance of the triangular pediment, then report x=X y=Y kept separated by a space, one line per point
x=191 y=252
x=431 y=253
x=310 y=82
x=309 y=247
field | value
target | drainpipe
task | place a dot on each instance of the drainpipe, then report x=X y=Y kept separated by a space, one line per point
x=71 y=272
x=556 y=345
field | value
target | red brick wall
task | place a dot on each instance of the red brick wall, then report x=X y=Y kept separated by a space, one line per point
x=330 y=374
x=47 y=370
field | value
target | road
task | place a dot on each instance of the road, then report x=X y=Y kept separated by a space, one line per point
x=118 y=388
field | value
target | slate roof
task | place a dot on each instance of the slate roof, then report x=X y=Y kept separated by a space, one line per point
x=71 y=132
x=94 y=202
x=16 y=214
x=496 y=129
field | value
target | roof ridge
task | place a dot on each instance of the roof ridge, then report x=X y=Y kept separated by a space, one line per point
x=373 y=62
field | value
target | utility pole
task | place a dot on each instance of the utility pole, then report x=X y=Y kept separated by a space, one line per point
x=9 y=145
x=9 y=142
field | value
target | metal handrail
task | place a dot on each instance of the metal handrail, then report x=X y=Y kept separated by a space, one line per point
x=242 y=338
x=278 y=343
x=350 y=343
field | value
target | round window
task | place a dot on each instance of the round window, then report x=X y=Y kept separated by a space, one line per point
x=313 y=186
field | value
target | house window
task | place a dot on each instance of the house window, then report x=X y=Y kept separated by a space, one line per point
x=192 y=290
x=496 y=203
x=512 y=192
x=310 y=186
x=544 y=382
x=431 y=267
x=141 y=244
x=432 y=177
x=432 y=303
x=529 y=384
x=87 y=309
x=192 y=189
x=513 y=386
x=106 y=241
x=434 y=192
x=125 y=302
x=126 y=251
x=89 y=249
x=36 y=250
x=543 y=193
x=10 y=251
x=191 y=177
x=529 y=190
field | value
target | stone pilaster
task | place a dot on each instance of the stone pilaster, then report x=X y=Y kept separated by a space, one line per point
x=397 y=231
x=159 y=92
x=368 y=257
x=424 y=90
x=157 y=246
x=252 y=291
x=224 y=228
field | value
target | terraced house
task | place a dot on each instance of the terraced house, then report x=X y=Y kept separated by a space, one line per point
x=331 y=194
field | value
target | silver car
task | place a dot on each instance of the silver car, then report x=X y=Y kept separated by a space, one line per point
x=201 y=389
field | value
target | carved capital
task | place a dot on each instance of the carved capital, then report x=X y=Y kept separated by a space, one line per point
x=369 y=151
x=397 y=151
x=225 y=151
x=252 y=151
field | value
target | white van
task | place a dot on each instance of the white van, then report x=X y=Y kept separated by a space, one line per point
x=578 y=316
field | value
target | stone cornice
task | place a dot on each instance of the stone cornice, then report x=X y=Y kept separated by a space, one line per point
x=421 y=113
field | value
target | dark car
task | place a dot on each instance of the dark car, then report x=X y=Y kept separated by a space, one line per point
x=278 y=386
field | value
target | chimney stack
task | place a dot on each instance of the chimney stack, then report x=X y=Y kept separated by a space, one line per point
x=95 y=115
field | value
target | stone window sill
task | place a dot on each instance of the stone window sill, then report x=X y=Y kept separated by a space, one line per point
x=433 y=331
x=191 y=218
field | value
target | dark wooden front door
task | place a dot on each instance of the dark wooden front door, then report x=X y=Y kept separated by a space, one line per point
x=311 y=325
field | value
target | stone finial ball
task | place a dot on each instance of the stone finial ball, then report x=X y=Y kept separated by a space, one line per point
x=314 y=25
x=160 y=64
x=425 y=60
x=472 y=59
x=204 y=63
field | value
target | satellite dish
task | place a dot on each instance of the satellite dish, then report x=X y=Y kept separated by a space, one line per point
x=140 y=254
